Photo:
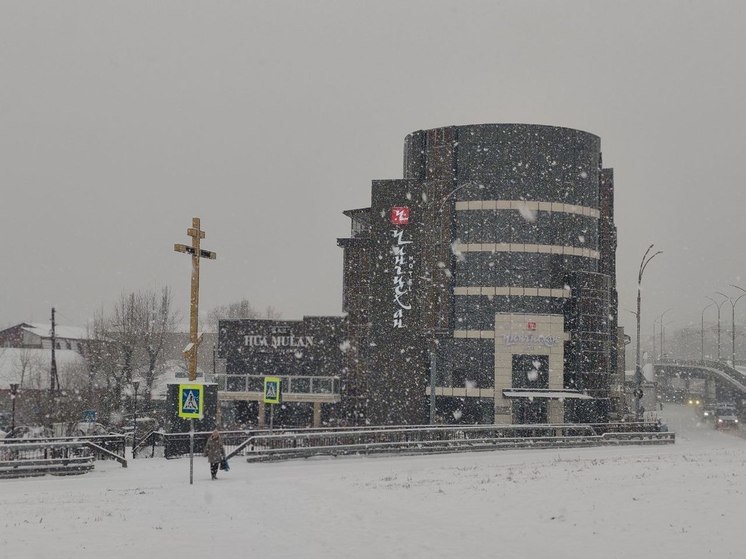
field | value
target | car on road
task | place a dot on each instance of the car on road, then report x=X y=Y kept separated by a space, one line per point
x=90 y=429
x=30 y=432
x=726 y=418
x=708 y=412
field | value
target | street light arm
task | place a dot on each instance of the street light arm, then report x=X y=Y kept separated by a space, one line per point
x=707 y=307
x=642 y=263
x=645 y=265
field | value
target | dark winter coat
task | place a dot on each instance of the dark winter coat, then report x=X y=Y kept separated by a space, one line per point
x=214 y=450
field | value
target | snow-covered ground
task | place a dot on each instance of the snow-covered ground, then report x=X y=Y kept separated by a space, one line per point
x=684 y=500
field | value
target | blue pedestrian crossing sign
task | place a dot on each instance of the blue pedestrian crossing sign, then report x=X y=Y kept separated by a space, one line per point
x=271 y=390
x=191 y=401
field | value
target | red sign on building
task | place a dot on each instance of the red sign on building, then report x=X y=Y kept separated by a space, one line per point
x=532 y=325
x=400 y=215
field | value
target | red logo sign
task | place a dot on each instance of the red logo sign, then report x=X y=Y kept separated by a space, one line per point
x=532 y=325
x=400 y=215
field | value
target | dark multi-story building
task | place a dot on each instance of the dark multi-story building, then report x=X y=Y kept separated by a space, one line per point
x=307 y=355
x=487 y=276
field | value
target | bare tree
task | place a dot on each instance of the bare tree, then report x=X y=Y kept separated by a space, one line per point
x=63 y=407
x=158 y=321
x=130 y=339
x=102 y=357
x=27 y=363
x=125 y=330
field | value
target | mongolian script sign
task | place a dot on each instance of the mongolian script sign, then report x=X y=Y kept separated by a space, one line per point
x=403 y=276
x=400 y=215
x=530 y=340
x=278 y=342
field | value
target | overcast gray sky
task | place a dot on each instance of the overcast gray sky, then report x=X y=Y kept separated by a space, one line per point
x=120 y=121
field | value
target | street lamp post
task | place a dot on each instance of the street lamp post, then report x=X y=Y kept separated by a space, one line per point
x=702 y=329
x=661 y=317
x=718 y=305
x=638 y=369
x=13 y=394
x=135 y=385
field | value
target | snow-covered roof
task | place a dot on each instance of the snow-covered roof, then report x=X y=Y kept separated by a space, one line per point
x=35 y=364
x=173 y=371
x=44 y=330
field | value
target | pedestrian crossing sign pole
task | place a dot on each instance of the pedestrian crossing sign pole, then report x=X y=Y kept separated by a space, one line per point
x=191 y=406
x=271 y=396
x=271 y=390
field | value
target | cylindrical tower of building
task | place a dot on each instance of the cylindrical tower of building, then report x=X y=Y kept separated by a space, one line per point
x=526 y=203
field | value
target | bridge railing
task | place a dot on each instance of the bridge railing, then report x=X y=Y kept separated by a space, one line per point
x=734 y=374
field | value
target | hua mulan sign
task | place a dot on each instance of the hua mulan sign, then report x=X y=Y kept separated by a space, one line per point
x=278 y=341
x=403 y=267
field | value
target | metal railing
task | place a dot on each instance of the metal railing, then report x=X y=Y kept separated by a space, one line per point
x=105 y=447
x=289 y=384
x=25 y=459
x=177 y=444
x=148 y=442
x=242 y=442
x=453 y=438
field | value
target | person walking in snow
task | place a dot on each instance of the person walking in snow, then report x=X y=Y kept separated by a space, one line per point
x=215 y=452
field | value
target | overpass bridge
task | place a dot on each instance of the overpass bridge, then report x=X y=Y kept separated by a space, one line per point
x=730 y=383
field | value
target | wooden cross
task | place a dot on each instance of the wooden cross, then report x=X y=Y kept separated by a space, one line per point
x=190 y=352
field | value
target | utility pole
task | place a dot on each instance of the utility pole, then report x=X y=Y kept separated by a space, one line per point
x=54 y=380
x=190 y=352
